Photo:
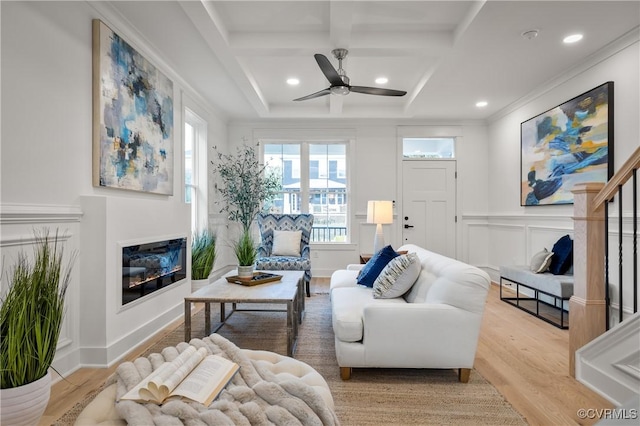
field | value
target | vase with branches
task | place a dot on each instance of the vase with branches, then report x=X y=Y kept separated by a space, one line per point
x=246 y=185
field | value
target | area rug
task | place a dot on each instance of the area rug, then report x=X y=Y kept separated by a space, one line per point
x=372 y=396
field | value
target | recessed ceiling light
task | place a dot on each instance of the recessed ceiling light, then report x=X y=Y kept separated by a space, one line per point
x=293 y=81
x=482 y=104
x=530 y=35
x=572 y=38
x=382 y=80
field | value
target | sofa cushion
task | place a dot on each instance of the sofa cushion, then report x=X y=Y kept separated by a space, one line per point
x=397 y=277
x=286 y=243
x=343 y=278
x=540 y=261
x=375 y=265
x=562 y=258
x=347 y=308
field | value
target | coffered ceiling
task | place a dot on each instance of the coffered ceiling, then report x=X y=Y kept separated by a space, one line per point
x=447 y=55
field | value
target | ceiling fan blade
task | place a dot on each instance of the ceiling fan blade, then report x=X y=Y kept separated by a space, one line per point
x=328 y=70
x=377 y=91
x=322 y=92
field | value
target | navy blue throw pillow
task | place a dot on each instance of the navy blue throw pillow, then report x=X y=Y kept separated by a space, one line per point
x=375 y=265
x=562 y=258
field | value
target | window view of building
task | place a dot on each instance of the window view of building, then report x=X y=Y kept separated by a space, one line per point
x=314 y=180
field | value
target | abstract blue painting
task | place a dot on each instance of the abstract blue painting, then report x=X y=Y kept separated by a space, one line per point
x=133 y=118
x=566 y=145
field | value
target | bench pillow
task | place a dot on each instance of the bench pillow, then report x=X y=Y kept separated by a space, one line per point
x=375 y=265
x=562 y=259
x=540 y=261
x=397 y=277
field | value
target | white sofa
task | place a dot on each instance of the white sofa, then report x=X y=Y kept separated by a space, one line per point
x=435 y=324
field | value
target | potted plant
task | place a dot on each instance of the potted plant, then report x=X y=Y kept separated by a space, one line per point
x=246 y=252
x=203 y=256
x=30 y=320
x=246 y=185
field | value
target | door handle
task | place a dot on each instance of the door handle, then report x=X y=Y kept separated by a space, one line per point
x=408 y=226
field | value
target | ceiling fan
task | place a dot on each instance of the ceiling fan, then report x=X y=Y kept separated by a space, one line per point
x=340 y=82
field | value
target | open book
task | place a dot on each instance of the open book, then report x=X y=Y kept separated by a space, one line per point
x=193 y=375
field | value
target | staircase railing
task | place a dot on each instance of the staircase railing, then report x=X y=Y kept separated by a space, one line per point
x=612 y=189
x=590 y=304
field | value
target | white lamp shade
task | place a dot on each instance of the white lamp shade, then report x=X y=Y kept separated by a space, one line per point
x=380 y=212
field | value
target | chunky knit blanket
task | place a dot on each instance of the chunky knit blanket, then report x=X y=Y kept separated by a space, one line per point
x=255 y=396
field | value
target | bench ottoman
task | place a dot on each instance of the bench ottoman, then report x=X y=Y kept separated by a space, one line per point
x=546 y=288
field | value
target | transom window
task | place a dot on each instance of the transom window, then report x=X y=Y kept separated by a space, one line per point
x=428 y=148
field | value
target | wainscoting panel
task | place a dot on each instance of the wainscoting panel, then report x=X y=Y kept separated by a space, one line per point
x=540 y=237
x=18 y=222
x=474 y=247
x=507 y=244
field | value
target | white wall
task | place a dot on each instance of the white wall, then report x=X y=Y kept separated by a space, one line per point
x=374 y=175
x=46 y=170
x=46 y=175
x=515 y=232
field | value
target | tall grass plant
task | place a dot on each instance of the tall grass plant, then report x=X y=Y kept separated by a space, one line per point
x=245 y=249
x=203 y=254
x=32 y=312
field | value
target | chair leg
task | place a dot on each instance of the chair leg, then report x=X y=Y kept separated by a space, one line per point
x=345 y=373
x=308 y=286
x=464 y=374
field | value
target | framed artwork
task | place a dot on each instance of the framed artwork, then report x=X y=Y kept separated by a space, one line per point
x=132 y=118
x=569 y=144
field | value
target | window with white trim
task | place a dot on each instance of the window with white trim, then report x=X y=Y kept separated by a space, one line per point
x=315 y=171
x=195 y=168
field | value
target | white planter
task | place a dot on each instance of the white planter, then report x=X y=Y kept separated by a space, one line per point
x=198 y=284
x=245 y=271
x=25 y=405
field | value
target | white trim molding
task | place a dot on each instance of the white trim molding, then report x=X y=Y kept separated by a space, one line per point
x=14 y=214
x=610 y=364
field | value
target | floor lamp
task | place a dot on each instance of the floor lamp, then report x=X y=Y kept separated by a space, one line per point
x=380 y=213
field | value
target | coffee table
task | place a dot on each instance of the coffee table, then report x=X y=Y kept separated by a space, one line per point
x=288 y=291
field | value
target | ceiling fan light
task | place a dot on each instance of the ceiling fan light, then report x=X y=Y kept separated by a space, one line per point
x=293 y=81
x=382 y=80
x=339 y=90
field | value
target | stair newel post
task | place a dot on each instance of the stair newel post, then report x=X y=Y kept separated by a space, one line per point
x=587 y=306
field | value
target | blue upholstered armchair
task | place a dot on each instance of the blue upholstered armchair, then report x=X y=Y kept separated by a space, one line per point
x=291 y=260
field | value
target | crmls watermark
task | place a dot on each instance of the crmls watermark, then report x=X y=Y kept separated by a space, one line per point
x=608 y=413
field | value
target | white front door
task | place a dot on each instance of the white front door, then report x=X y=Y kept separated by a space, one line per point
x=429 y=205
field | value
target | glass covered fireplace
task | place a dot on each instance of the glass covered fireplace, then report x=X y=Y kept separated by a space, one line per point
x=149 y=267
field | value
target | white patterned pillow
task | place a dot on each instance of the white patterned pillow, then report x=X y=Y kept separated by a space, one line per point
x=397 y=277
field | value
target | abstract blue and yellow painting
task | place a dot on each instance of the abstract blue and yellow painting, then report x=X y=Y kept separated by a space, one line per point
x=569 y=144
x=133 y=118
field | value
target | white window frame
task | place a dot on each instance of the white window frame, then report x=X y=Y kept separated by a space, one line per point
x=304 y=139
x=198 y=188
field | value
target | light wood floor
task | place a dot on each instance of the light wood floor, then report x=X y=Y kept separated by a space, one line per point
x=525 y=358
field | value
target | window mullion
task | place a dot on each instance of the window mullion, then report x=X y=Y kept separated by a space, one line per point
x=304 y=176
